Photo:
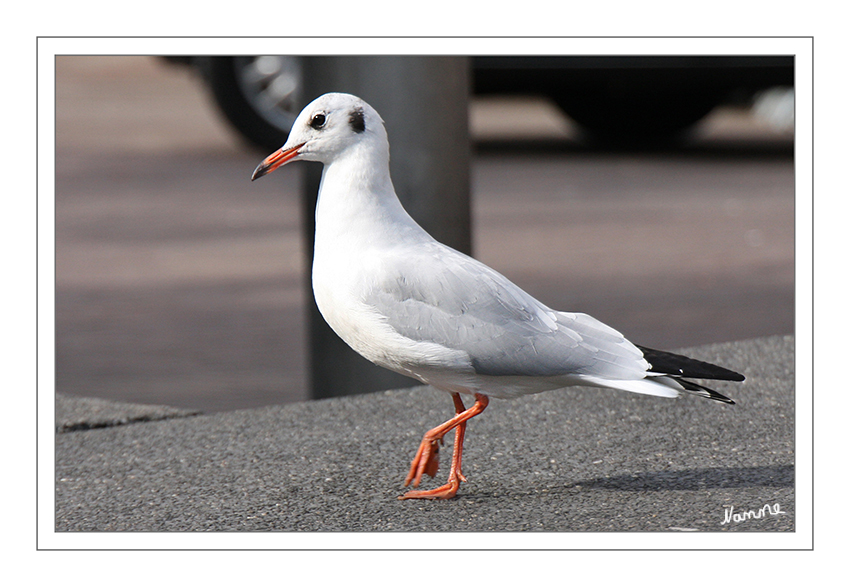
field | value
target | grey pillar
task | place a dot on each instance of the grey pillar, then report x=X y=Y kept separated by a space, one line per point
x=424 y=104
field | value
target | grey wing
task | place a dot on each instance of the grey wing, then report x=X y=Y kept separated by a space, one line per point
x=453 y=300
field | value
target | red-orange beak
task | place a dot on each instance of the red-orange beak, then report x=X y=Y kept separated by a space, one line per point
x=275 y=160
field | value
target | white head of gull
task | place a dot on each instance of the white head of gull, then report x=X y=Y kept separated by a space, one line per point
x=413 y=305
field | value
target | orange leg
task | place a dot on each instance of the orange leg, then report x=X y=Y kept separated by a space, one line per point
x=433 y=460
x=460 y=431
x=427 y=459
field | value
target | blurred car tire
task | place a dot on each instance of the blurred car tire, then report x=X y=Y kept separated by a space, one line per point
x=257 y=95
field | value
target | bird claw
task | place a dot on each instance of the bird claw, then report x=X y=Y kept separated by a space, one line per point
x=432 y=465
x=426 y=461
x=447 y=491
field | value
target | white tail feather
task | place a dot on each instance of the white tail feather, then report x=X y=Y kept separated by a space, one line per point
x=658 y=386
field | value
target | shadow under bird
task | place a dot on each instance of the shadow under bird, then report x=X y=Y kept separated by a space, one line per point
x=413 y=305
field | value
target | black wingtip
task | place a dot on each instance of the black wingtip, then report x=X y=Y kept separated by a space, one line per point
x=704 y=391
x=682 y=366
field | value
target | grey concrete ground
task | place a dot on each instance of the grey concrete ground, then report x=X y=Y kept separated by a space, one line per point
x=179 y=282
x=578 y=460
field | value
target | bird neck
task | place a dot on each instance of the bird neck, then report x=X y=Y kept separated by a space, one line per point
x=357 y=196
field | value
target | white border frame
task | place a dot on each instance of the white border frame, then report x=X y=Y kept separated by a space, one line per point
x=801 y=47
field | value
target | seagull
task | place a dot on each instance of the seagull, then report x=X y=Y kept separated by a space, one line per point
x=411 y=304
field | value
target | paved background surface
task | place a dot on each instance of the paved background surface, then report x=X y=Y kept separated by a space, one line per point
x=576 y=460
x=179 y=282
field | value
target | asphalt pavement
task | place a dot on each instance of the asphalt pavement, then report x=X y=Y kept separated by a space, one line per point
x=569 y=461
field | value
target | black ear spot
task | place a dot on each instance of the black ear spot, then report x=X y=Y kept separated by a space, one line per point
x=357 y=120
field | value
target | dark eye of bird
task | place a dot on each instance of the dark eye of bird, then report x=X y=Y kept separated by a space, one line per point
x=318 y=120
